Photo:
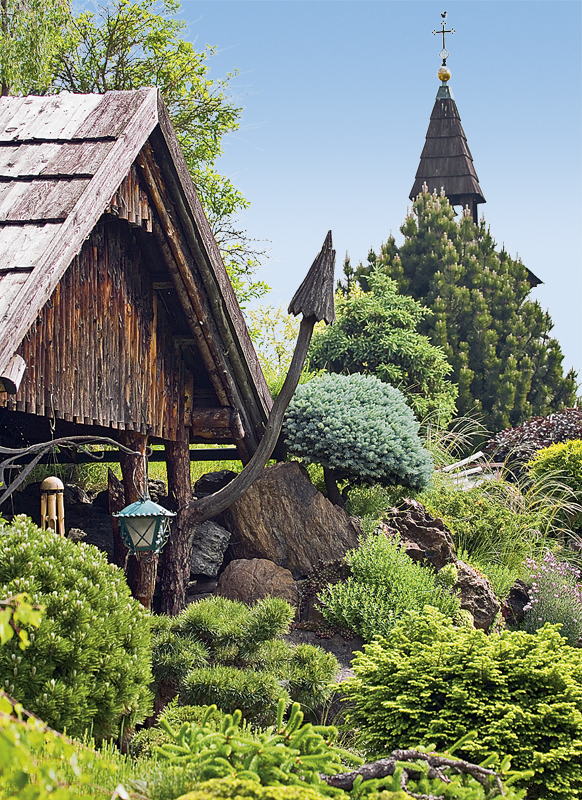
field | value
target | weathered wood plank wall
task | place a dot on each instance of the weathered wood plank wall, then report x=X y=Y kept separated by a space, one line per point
x=102 y=352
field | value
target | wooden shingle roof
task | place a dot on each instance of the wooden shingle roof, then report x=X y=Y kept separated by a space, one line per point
x=62 y=160
x=446 y=160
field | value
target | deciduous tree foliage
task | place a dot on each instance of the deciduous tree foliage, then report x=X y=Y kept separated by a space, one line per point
x=507 y=366
x=375 y=333
x=45 y=48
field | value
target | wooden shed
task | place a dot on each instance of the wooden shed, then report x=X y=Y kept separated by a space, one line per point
x=113 y=293
x=117 y=316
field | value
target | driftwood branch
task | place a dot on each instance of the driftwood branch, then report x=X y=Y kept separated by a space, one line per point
x=315 y=301
x=38 y=450
x=436 y=766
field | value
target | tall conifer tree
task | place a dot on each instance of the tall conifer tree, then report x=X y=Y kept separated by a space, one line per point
x=507 y=366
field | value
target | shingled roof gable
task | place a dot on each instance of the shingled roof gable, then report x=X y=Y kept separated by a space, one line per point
x=62 y=159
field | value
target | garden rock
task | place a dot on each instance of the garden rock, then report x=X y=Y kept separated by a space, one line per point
x=209 y=546
x=213 y=481
x=476 y=595
x=423 y=537
x=250 y=580
x=515 y=602
x=283 y=518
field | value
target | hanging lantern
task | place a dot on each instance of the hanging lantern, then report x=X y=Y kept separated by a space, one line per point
x=145 y=526
x=52 y=505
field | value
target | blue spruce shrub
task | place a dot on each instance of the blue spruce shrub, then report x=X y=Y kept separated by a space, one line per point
x=87 y=667
x=359 y=427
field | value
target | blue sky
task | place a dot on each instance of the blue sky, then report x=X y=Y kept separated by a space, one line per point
x=337 y=96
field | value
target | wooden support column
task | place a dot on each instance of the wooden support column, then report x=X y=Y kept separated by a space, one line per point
x=141 y=571
x=116 y=496
x=176 y=557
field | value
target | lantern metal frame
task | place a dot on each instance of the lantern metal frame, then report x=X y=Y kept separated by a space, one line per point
x=140 y=538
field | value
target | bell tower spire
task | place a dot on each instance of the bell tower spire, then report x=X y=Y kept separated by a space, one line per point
x=446 y=161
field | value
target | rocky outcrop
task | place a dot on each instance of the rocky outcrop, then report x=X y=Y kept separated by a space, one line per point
x=427 y=539
x=476 y=595
x=250 y=580
x=423 y=537
x=284 y=519
x=208 y=548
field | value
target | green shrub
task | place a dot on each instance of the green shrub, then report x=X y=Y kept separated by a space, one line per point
x=358 y=427
x=485 y=527
x=88 y=663
x=564 y=462
x=428 y=682
x=383 y=583
x=221 y=651
x=254 y=693
x=235 y=788
x=289 y=753
x=143 y=744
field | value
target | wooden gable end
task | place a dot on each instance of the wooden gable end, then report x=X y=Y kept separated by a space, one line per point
x=112 y=347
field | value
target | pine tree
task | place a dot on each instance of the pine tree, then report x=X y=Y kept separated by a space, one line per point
x=506 y=365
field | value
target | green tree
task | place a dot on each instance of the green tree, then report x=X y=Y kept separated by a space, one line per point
x=129 y=45
x=32 y=35
x=507 y=366
x=375 y=333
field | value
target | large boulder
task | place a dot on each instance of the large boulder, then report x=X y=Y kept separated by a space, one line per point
x=283 y=518
x=476 y=595
x=208 y=548
x=250 y=580
x=423 y=537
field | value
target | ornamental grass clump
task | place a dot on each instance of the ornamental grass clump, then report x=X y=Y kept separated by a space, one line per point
x=555 y=597
x=87 y=667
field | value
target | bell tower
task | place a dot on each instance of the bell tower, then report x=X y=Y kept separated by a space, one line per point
x=446 y=161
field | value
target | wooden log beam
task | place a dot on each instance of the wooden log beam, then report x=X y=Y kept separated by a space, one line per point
x=176 y=557
x=186 y=286
x=142 y=570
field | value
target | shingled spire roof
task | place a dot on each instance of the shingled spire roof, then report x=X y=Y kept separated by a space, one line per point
x=446 y=161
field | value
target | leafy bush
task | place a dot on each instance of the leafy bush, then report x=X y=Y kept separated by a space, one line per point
x=383 y=583
x=555 y=597
x=358 y=427
x=236 y=788
x=518 y=445
x=428 y=682
x=224 y=652
x=564 y=461
x=88 y=664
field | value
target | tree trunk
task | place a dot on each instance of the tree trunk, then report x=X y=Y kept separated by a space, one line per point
x=176 y=557
x=141 y=570
x=116 y=496
x=331 y=487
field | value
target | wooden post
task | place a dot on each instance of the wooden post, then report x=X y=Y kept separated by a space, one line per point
x=141 y=571
x=176 y=557
x=116 y=497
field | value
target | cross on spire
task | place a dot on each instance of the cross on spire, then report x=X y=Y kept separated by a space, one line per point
x=444 y=53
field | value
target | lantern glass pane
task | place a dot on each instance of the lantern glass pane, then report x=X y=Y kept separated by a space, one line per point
x=142 y=531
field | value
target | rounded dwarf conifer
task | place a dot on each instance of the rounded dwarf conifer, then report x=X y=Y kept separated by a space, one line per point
x=87 y=667
x=358 y=428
